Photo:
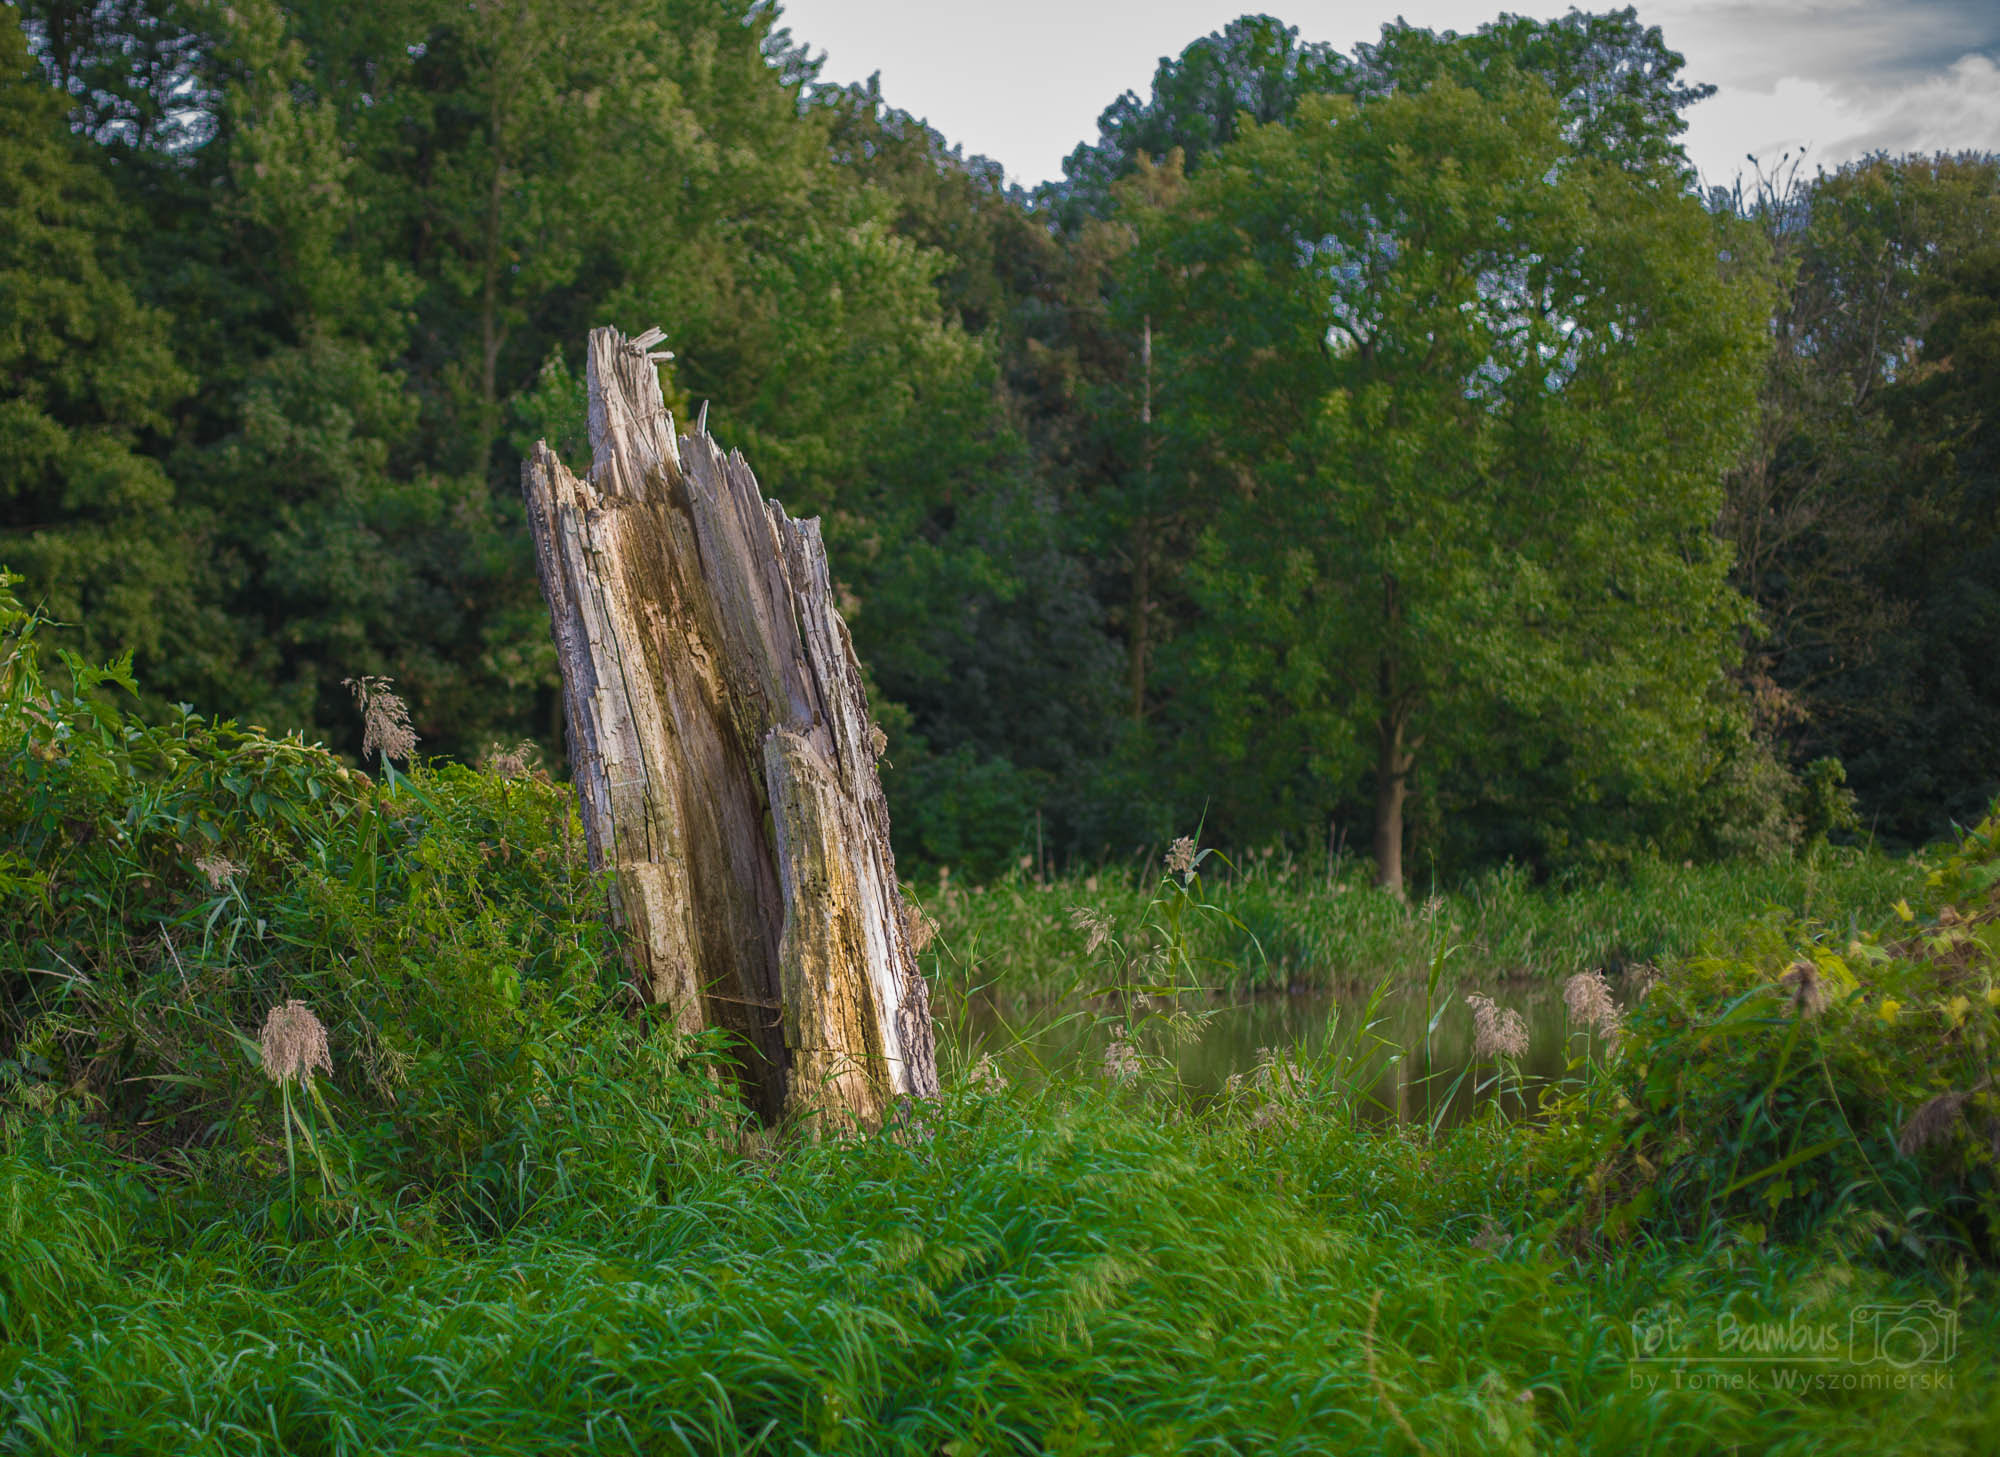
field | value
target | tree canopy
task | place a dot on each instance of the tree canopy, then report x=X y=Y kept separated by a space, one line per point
x=1343 y=434
x=1455 y=398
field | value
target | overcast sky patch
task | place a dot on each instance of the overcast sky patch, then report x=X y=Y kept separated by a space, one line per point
x=1024 y=82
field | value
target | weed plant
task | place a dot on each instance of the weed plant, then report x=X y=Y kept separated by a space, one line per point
x=1809 y=1083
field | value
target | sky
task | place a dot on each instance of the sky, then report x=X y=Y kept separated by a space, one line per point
x=1022 y=81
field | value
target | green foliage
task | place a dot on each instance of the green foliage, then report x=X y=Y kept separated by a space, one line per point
x=89 y=381
x=66 y=1209
x=1616 y=81
x=1862 y=515
x=518 y=1212
x=1255 y=68
x=1317 y=925
x=1055 y=1274
x=1474 y=493
x=164 y=886
x=295 y=283
x=1819 y=1079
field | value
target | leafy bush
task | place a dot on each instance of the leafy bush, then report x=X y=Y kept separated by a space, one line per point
x=164 y=886
x=1820 y=1080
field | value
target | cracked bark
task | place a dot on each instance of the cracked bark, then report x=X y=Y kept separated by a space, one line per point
x=724 y=756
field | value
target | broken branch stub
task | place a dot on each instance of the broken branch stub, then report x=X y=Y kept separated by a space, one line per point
x=724 y=756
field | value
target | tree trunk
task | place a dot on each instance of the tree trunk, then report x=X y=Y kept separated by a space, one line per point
x=1142 y=541
x=1392 y=773
x=1138 y=644
x=724 y=756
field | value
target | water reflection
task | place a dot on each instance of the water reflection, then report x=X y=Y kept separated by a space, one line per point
x=1031 y=1040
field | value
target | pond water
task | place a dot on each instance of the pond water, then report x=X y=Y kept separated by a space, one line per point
x=1029 y=1040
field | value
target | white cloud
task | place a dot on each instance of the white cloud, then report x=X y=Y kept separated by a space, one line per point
x=1847 y=44
x=1957 y=110
x=1024 y=81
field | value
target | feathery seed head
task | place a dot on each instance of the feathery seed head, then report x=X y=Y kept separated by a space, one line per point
x=1095 y=927
x=1588 y=996
x=217 y=868
x=918 y=927
x=1121 y=1060
x=385 y=718
x=1808 y=992
x=1496 y=1031
x=505 y=763
x=294 y=1044
x=1930 y=1123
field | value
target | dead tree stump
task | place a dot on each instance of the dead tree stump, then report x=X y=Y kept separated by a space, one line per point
x=723 y=752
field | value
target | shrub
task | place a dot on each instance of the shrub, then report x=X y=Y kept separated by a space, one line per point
x=164 y=885
x=1819 y=1080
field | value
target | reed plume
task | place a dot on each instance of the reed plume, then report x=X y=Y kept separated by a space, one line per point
x=385 y=718
x=1496 y=1031
x=1588 y=997
x=294 y=1044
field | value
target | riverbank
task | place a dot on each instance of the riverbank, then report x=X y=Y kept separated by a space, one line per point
x=459 y=1195
x=1286 y=924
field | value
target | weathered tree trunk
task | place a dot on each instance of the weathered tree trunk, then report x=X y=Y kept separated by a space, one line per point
x=723 y=752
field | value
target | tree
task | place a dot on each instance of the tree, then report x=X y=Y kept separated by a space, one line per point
x=992 y=251
x=1463 y=394
x=87 y=381
x=1254 y=68
x=1616 y=83
x=1855 y=513
x=1940 y=764
x=372 y=225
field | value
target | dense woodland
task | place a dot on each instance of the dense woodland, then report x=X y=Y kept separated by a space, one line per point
x=1402 y=450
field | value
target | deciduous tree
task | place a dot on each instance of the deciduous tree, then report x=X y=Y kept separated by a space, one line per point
x=1464 y=393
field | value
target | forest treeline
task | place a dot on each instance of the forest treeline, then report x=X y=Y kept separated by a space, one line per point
x=1349 y=447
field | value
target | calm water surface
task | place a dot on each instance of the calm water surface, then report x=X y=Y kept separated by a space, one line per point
x=1033 y=1040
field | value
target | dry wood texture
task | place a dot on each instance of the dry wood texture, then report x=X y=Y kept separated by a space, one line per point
x=724 y=756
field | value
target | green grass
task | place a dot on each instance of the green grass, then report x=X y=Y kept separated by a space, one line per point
x=1064 y=1273
x=522 y=1215
x=1295 y=925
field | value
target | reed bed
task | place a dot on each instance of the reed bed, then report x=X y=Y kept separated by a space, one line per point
x=1292 y=924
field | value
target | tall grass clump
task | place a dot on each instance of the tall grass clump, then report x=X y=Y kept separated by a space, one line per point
x=1031 y=1272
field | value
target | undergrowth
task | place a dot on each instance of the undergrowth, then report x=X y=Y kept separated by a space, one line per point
x=520 y=1216
x=1812 y=1084
x=1065 y=1274
x=164 y=886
